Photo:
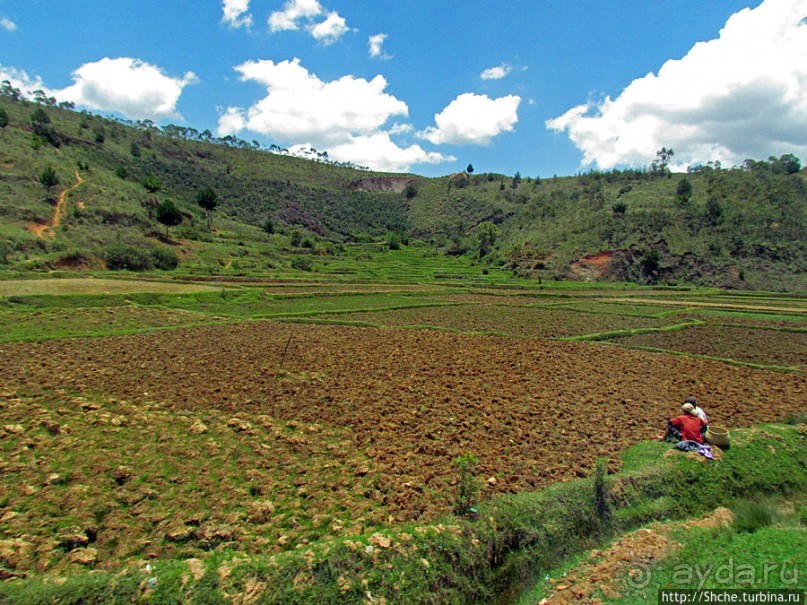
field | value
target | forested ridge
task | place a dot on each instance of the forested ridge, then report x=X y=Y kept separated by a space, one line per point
x=740 y=227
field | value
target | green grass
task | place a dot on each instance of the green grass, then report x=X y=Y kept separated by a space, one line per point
x=770 y=558
x=634 y=332
x=516 y=536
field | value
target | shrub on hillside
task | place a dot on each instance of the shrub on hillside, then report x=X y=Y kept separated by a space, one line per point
x=124 y=257
x=394 y=241
x=301 y=263
x=6 y=248
x=164 y=258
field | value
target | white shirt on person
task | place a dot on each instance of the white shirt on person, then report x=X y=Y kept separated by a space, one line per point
x=699 y=413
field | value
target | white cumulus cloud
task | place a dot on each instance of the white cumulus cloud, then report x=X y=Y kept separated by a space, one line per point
x=375 y=46
x=496 y=73
x=380 y=152
x=20 y=79
x=345 y=117
x=324 y=26
x=132 y=87
x=236 y=13
x=330 y=30
x=293 y=12
x=741 y=95
x=128 y=86
x=401 y=129
x=7 y=24
x=299 y=105
x=473 y=119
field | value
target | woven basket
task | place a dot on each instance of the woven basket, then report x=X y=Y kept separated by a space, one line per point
x=717 y=435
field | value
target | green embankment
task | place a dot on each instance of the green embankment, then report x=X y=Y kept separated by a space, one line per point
x=513 y=540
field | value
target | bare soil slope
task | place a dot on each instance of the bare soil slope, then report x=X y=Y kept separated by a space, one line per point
x=533 y=411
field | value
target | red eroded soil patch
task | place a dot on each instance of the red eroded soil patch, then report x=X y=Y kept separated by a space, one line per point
x=533 y=411
x=601 y=259
x=593 y=266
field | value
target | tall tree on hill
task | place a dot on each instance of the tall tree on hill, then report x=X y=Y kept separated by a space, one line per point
x=684 y=191
x=39 y=116
x=661 y=165
x=786 y=164
x=514 y=184
x=470 y=169
x=168 y=214
x=48 y=178
x=208 y=200
x=486 y=234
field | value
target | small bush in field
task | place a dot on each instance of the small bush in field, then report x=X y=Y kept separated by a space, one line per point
x=467 y=486
x=124 y=257
x=164 y=258
x=301 y=263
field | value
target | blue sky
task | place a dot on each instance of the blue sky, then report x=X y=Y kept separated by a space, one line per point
x=541 y=87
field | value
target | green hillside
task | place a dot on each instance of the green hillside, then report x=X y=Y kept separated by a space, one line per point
x=288 y=216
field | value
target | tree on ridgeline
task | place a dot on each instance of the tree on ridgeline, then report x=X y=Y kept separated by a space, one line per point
x=514 y=184
x=7 y=90
x=660 y=166
x=786 y=164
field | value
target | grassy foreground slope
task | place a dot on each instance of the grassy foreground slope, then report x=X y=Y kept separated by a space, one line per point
x=453 y=560
x=742 y=227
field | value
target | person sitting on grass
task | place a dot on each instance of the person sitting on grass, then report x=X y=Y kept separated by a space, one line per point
x=697 y=411
x=686 y=427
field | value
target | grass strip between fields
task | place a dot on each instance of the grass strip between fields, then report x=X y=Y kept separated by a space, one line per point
x=625 y=333
x=513 y=540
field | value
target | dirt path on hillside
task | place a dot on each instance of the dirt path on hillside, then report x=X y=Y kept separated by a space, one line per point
x=48 y=229
x=625 y=566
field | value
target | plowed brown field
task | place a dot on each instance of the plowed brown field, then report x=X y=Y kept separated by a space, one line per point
x=532 y=411
x=741 y=343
